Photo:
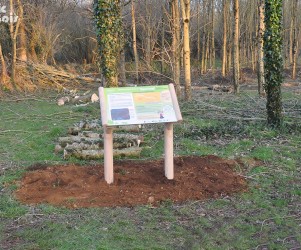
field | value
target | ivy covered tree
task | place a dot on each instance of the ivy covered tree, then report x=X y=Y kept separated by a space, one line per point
x=273 y=60
x=109 y=33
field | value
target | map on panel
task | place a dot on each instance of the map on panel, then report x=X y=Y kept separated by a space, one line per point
x=138 y=105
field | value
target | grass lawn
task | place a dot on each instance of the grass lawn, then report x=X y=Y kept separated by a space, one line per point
x=268 y=216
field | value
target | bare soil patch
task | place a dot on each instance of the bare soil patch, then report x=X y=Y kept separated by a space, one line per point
x=135 y=182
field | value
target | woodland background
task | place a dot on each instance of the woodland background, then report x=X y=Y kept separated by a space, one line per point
x=61 y=33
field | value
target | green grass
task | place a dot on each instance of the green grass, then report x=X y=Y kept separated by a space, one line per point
x=30 y=129
x=263 y=153
x=191 y=147
x=268 y=215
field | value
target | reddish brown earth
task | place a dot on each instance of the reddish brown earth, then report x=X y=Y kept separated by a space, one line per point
x=135 y=182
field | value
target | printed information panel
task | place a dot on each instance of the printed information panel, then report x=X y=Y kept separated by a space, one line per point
x=139 y=105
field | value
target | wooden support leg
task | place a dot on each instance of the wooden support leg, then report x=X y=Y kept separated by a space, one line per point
x=168 y=151
x=108 y=155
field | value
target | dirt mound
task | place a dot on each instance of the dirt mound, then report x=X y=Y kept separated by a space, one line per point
x=135 y=182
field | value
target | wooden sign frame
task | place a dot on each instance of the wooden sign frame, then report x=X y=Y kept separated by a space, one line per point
x=138 y=105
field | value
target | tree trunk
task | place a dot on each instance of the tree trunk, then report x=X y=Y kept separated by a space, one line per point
x=273 y=61
x=212 y=36
x=136 y=58
x=291 y=30
x=204 y=41
x=229 y=57
x=236 y=47
x=163 y=38
x=254 y=47
x=13 y=30
x=176 y=46
x=260 y=62
x=204 y=60
x=295 y=58
x=109 y=31
x=225 y=21
x=4 y=83
x=230 y=41
x=185 y=6
x=286 y=32
x=295 y=39
x=22 y=50
x=3 y=66
x=148 y=57
x=122 y=68
x=32 y=52
x=198 y=31
x=207 y=51
x=253 y=55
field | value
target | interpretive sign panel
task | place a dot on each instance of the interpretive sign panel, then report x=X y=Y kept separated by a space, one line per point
x=139 y=105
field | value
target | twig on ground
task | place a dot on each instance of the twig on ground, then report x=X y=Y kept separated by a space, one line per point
x=14 y=131
x=284 y=217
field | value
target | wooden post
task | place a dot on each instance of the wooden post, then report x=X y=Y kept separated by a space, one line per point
x=108 y=154
x=168 y=151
